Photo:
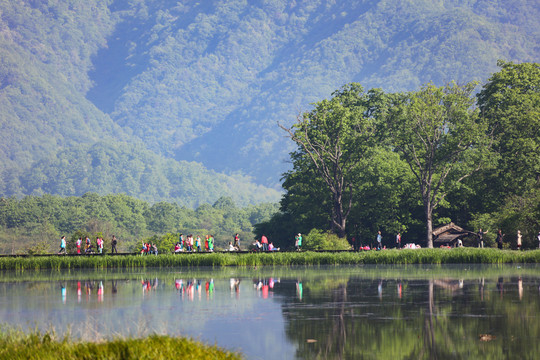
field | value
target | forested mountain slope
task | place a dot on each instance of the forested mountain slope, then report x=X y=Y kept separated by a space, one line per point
x=213 y=77
x=115 y=96
x=56 y=141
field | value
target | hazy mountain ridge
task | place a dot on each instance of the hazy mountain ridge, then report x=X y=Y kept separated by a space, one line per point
x=56 y=141
x=216 y=83
x=207 y=82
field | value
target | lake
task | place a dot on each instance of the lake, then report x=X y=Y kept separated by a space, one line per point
x=336 y=312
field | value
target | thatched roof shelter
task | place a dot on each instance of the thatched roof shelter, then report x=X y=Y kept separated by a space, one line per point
x=449 y=234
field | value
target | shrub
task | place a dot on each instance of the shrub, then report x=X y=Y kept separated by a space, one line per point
x=320 y=240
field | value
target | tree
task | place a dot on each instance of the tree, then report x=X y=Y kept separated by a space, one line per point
x=335 y=136
x=510 y=103
x=441 y=137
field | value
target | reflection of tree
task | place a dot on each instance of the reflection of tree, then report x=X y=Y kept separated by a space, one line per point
x=337 y=337
x=434 y=319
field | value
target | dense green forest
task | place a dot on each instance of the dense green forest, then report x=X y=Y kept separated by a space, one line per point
x=35 y=223
x=151 y=83
x=55 y=141
x=369 y=161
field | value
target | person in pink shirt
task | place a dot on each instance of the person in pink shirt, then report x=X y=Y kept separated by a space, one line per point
x=264 y=242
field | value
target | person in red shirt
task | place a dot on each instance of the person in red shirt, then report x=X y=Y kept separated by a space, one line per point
x=264 y=242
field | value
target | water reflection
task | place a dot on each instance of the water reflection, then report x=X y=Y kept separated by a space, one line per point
x=307 y=314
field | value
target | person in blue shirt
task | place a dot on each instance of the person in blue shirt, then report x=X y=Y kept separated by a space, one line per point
x=379 y=240
x=62 y=245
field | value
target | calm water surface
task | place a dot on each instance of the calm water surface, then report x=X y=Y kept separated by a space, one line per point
x=453 y=312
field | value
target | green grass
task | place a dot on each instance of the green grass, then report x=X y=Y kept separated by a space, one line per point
x=15 y=344
x=419 y=256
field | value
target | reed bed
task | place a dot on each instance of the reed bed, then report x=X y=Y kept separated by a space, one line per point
x=15 y=344
x=418 y=256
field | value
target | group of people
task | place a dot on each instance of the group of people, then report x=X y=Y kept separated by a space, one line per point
x=265 y=245
x=88 y=246
x=149 y=249
x=190 y=243
x=500 y=239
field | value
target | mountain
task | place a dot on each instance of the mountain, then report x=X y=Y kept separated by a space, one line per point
x=216 y=76
x=197 y=87
x=54 y=140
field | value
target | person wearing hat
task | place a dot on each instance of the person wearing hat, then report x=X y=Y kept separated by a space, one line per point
x=298 y=241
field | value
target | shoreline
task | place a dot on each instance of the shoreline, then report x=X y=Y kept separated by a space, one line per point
x=224 y=259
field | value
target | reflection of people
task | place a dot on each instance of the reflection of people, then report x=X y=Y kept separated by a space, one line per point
x=299 y=290
x=481 y=289
x=63 y=290
x=500 y=286
x=520 y=288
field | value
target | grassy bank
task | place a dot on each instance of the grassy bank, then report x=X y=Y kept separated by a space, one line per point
x=19 y=345
x=419 y=256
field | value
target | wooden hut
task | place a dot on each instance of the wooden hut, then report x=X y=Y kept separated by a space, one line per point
x=449 y=234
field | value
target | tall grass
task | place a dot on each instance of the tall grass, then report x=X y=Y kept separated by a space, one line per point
x=15 y=344
x=419 y=256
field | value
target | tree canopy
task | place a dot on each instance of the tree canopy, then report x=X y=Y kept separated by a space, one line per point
x=440 y=155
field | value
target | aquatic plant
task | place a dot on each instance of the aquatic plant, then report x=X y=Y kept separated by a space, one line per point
x=15 y=344
x=418 y=256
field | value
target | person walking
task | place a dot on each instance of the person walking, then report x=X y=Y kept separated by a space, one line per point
x=538 y=238
x=499 y=239
x=379 y=240
x=398 y=240
x=62 y=245
x=114 y=242
x=78 y=244
x=519 y=236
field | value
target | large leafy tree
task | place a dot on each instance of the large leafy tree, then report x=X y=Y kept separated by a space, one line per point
x=442 y=138
x=510 y=102
x=332 y=140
